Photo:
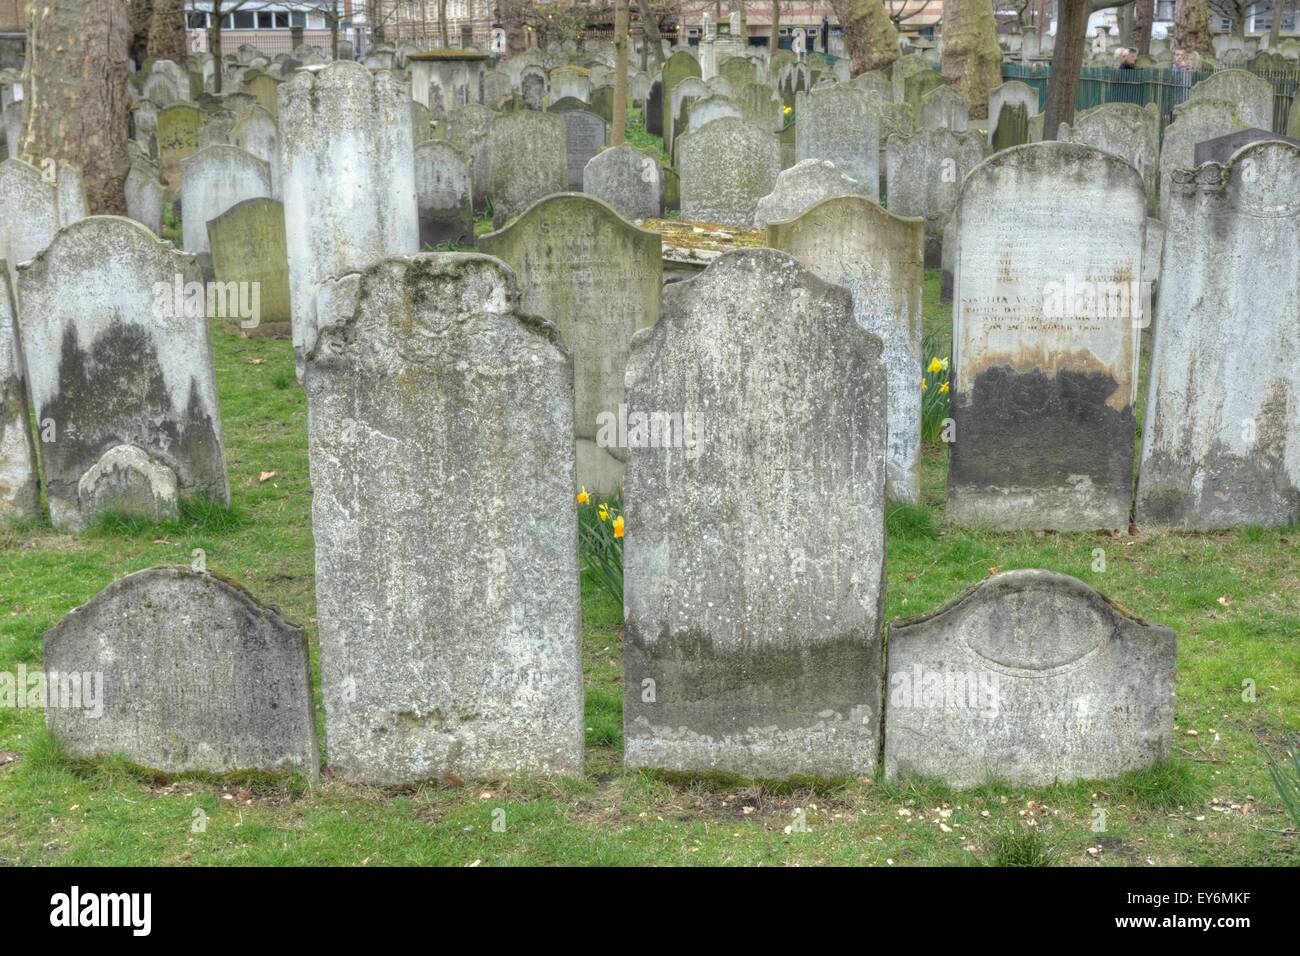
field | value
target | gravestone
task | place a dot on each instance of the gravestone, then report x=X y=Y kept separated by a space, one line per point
x=678 y=67
x=347 y=178
x=20 y=493
x=1011 y=104
x=654 y=110
x=584 y=137
x=1251 y=94
x=467 y=128
x=602 y=102
x=801 y=187
x=852 y=242
x=528 y=160
x=120 y=373
x=570 y=81
x=496 y=86
x=1221 y=148
x=708 y=108
x=923 y=174
x=450 y=638
x=532 y=86
x=917 y=85
x=1127 y=130
x=255 y=131
x=839 y=124
x=265 y=89
x=213 y=180
x=191 y=674
x=762 y=107
x=566 y=104
x=248 y=246
x=739 y=72
x=944 y=108
x=443 y=194
x=875 y=84
x=684 y=95
x=1194 y=122
x=1219 y=443
x=597 y=278
x=626 y=179
x=1046 y=324
x=753 y=641
x=725 y=169
x=29 y=212
x=1030 y=678
x=178 y=139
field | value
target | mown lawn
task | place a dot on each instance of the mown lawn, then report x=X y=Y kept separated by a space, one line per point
x=1232 y=598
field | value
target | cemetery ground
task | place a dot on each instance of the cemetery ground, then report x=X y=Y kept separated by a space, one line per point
x=1231 y=598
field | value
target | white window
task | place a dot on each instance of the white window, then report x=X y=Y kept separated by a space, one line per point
x=245 y=20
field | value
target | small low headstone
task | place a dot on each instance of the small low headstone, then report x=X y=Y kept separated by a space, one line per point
x=626 y=179
x=213 y=180
x=1030 y=679
x=1011 y=104
x=801 y=187
x=182 y=671
x=725 y=169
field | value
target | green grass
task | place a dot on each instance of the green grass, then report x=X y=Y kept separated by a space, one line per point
x=1230 y=597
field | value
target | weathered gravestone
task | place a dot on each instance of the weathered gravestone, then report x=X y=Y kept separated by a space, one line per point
x=145 y=195
x=1221 y=438
x=347 y=172
x=265 y=89
x=120 y=371
x=708 y=108
x=178 y=139
x=602 y=102
x=597 y=278
x=565 y=104
x=584 y=137
x=1030 y=678
x=213 y=180
x=182 y=671
x=1221 y=149
x=917 y=86
x=449 y=632
x=752 y=621
x=626 y=179
x=801 y=187
x=875 y=84
x=923 y=174
x=685 y=94
x=1251 y=94
x=468 y=128
x=1194 y=121
x=532 y=87
x=1127 y=130
x=852 y=242
x=528 y=161
x=20 y=494
x=944 y=108
x=762 y=107
x=443 y=194
x=255 y=130
x=678 y=67
x=570 y=81
x=29 y=211
x=248 y=246
x=1046 y=324
x=725 y=169
x=654 y=109
x=1011 y=104
x=841 y=125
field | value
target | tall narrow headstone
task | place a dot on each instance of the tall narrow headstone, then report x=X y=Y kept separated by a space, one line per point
x=248 y=246
x=1221 y=436
x=876 y=255
x=441 y=442
x=443 y=196
x=725 y=169
x=597 y=277
x=1047 y=314
x=20 y=495
x=584 y=137
x=754 y=556
x=529 y=160
x=347 y=171
x=840 y=124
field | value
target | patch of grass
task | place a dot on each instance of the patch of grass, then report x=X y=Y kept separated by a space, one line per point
x=1021 y=846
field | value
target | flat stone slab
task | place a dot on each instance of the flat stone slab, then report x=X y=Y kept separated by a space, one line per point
x=1030 y=678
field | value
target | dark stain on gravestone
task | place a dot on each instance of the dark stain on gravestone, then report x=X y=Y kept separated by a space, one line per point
x=115 y=394
x=1028 y=429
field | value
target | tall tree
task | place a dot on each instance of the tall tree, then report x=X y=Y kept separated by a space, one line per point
x=620 y=71
x=74 y=85
x=1192 y=27
x=442 y=24
x=869 y=35
x=774 y=37
x=650 y=28
x=1067 y=64
x=972 y=58
x=167 y=37
x=141 y=16
x=1145 y=14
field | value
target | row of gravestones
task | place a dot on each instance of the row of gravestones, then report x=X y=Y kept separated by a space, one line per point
x=450 y=638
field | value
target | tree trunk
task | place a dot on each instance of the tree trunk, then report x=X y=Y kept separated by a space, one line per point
x=739 y=7
x=74 y=85
x=1192 y=27
x=972 y=58
x=442 y=24
x=141 y=15
x=1126 y=20
x=1144 y=14
x=650 y=28
x=1067 y=64
x=869 y=35
x=1275 y=33
x=167 y=31
x=774 y=38
x=620 y=72
x=334 y=30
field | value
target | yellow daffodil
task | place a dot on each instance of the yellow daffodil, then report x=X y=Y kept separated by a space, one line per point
x=935 y=366
x=943 y=389
x=583 y=497
x=923 y=385
x=604 y=513
x=618 y=527
x=787 y=111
